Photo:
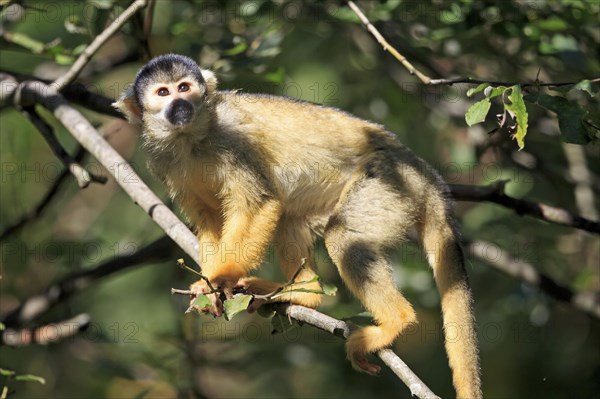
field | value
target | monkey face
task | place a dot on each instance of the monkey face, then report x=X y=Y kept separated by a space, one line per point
x=169 y=96
x=173 y=104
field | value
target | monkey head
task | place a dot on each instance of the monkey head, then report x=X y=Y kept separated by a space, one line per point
x=169 y=96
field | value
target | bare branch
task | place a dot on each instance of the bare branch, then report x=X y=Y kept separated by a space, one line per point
x=586 y=302
x=388 y=47
x=46 y=200
x=83 y=177
x=341 y=329
x=495 y=193
x=28 y=93
x=33 y=307
x=433 y=82
x=90 y=50
x=45 y=334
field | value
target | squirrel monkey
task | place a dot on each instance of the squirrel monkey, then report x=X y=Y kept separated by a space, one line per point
x=252 y=169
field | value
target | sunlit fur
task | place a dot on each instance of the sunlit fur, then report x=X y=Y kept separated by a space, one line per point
x=253 y=169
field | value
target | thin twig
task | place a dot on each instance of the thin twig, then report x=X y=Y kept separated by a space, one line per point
x=433 y=82
x=521 y=270
x=387 y=47
x=81 y=175
x=342 y=330
x=273 y=294
x=181 y=263
x=90 y=50
x=495 y=193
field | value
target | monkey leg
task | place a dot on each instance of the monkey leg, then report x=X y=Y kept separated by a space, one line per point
x=294 y=249
x=369 y=218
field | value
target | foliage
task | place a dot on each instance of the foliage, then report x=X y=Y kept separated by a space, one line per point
x=514 y=126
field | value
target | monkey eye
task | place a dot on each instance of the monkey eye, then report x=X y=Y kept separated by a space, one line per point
x=183 y=87
x=163 y=91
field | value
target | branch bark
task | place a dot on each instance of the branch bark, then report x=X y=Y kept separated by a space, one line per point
x=434 y=82
x=31 y=92
x=341 y=329
x=45 y=334
x=91 y=49
x=588 y=302
x=81 y=175
x=33 y=307
x=495 y=193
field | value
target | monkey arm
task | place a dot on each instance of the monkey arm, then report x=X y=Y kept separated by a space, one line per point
x=247 y=231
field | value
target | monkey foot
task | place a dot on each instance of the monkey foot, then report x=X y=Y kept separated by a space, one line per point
x=367 y=367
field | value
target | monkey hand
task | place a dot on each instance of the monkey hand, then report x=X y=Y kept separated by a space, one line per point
x=201 y=287
x=221 y=287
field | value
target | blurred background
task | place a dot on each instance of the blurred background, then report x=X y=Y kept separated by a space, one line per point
x=139 y=342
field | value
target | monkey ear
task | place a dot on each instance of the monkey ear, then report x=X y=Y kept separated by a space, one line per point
x=210 y=79
x=128 y=106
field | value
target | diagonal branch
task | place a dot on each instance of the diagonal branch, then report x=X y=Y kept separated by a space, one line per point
x=33 y=307
x=83 y=177
x=42 y=205
x=433 y=82
x=584 y=301
x=31 y=92
x=48 y=333
x=90 y=50
x=495 y=193
x=341 y=329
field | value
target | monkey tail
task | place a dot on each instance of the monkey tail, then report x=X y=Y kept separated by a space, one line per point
x=446 y=257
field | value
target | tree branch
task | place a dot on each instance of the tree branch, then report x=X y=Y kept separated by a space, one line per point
x=31 y=92
x=42 y=205
x=586 y=302
x=495 y=193
x=341 y=329
x=434 y=82
x=76 y=93
x=91 y=49
x=83 y=177
x=31 y=308
x=45 y=334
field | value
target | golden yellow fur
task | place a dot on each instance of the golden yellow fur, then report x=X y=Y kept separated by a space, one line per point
x=250 y=170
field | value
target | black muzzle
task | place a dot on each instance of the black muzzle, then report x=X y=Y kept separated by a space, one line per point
x=180 y=112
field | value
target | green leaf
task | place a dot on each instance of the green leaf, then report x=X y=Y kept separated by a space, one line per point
x=30 y=377
x=477 y=89
x=586 y=85
x=2 y=326
x=570 y=118
x=236 y=305
x=62 y=59
x=6 y=373
x=477 y=112
x=202 y=301
x=328 y=288
x=237 y=49
x=518 y=109
x=492 y=92
x=552 y=24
